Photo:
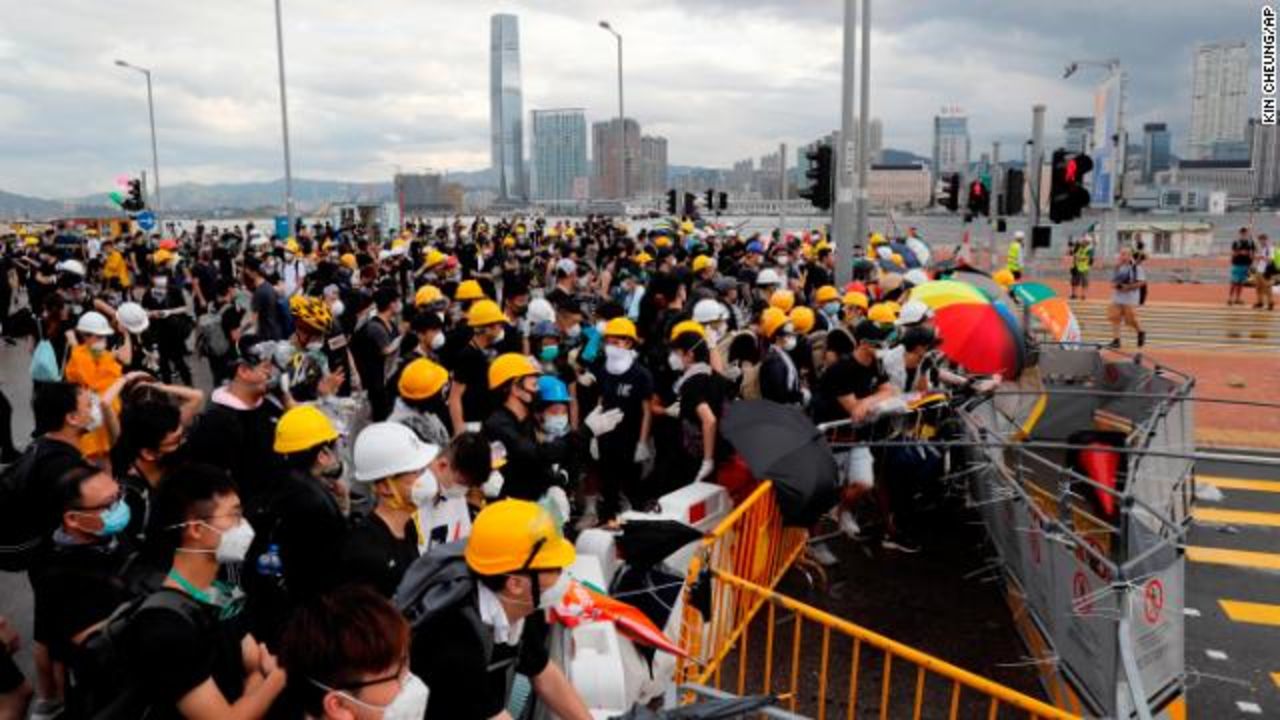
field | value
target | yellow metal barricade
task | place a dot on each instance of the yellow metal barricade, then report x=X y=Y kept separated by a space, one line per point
x=751 y=542
x=823 y=666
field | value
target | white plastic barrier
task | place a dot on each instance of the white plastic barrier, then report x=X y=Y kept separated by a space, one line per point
x=592 y=653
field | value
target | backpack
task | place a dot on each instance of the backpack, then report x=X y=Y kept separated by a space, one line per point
x=103 y=686
x=44 y=363
x=211 y=341
x=22 y=526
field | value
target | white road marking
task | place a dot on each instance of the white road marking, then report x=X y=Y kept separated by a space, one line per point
x=1249 y=707
x=1190 y=612
x=1216 y=654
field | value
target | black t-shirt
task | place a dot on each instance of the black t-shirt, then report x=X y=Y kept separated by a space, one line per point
x=170 y=655
x=75 y=587
x=714 y=390
x=267 y=306
x=846 y=377
x=368 y=349
x=628 y=392
x=238 y=441
x=448 y=653
x=471 y=368
x=373 y=556
x=1242 y=251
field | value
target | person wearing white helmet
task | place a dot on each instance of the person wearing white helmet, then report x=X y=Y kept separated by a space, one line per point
x=91 y=364
x=713 y=316
x=767 y=281
x=389 y=458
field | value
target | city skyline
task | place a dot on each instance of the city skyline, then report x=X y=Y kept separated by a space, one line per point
x=506 y=107
x=215 y=104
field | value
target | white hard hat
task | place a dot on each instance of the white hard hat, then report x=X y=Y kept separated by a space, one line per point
x=1018 y=235
x=75 y=267
x=94 y=323
x=709 y=311
x=133 y=317
x=540 y=310
x=384 y=449
x=768 y=276
x=913 y=312
x=916 y=276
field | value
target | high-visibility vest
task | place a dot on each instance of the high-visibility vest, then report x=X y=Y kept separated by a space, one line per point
x=1015 y=257
x=1084 y=258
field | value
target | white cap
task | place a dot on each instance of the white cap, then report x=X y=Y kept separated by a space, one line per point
x=913 y=312
x=75 y=267
x=709 y=311
x=768 y=276
x=916 y=276
x=540 y=310
x=1018 y=235
x=133 y=317
x=384 y=449
x=94 y=323
x=566 y=266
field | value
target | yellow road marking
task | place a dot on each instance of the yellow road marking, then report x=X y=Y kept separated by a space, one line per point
x=1248 y=612
x=1238 y=558
x=1232 y=483
x=1236 y=517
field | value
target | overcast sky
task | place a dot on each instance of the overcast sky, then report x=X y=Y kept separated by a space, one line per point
x=377 y=83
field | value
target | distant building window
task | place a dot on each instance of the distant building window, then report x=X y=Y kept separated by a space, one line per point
x=1163 y=244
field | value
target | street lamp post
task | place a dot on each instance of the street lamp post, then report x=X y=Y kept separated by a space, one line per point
x=622 y=118
x=1120 y=142
x=284 y=123
x=151 y=113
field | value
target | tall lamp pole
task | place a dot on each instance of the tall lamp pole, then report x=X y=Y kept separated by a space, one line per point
x=622 y=118
x=284 y=122
x=151 y=113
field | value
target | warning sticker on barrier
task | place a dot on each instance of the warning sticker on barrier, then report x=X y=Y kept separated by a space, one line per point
x=1153 y=601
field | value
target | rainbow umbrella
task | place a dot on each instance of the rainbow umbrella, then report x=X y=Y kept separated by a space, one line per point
x=941 y=293
x=982 y=338
x=1053 y=312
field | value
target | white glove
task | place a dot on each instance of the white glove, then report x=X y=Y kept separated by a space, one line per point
x=602 y=421
x=586 y=379
x=672 y=410
x=704 y=470
x=805 y=396
x=643 y=453
x=557 y=501
x=594 y=447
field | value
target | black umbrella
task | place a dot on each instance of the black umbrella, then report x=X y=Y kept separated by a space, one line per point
x=645 y=543
x=718 y=709
x=780 y=443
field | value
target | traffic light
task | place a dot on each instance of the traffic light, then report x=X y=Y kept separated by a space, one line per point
x=1068 y=196
x=1013 y=182
x=133 y=201
x=819 y=175
x=711 y=199
x=950 y=198
x=724 y=201
x=979 y=199
x=671 y=202
x=690 y=204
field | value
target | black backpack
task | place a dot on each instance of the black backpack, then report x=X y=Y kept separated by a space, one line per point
x=103 y=686
x=24 y=525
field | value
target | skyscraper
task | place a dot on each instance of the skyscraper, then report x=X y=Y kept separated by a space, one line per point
x=875 y=144
x=1264 y=158
x=950 y=142
x=559 y=152
x=1219 y=96
x=653 y=166
x=1079 y=134
x=1155 y=150
x=506 y=119
x=606 y=162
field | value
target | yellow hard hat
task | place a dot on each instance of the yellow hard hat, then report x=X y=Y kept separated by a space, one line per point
x=570 y=233
x=292 y=246
x=856 y=299
x=662 y=241
x=882 y=313
x=422 y=379
x=702 y=262
x=426 y=295
x=468 y=290
x=311 y=311
x=686 y=227
x=1003 y=277
x=877 y=239
x=802 y=319
x=162 y=256
x=511 y=536
x=302 y=428
x=643 y=257
x=772 y=320
x=434 y=257
x=399 y=243
x=509 y=241
x=688 y=326
x=485 y=312
x=620 y=327
x=509 y=366
x=784 y=300
x=30 y=240
x=826 y=294
x=348 y=260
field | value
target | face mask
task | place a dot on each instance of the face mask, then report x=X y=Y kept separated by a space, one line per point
x=315 y=346
x=783 y=260
x=500 y=335
x=95 y=415
x=492 y=487
x=549 y=353
x=333 y=471
x=831 y=309
x=114 y=519
x=552 y=596
x=555 y=425
x=714 y=335
x=408 y=704
x=574 y=332
x=233 y=544
x=618 y=360
x=789 y=343
x=675 y=361
x=733 y=372
x=337 y=308
x=437 y=342
x=600 y=327
x=98 y=346
x=455 y=492
x=161 y=283
x=425 y=489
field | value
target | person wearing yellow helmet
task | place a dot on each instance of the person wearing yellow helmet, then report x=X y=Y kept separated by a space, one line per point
x=470 y=400
x=780 y=378
x=422 y=387
x=626 y=386
x=478 y=614
x=701 y=396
